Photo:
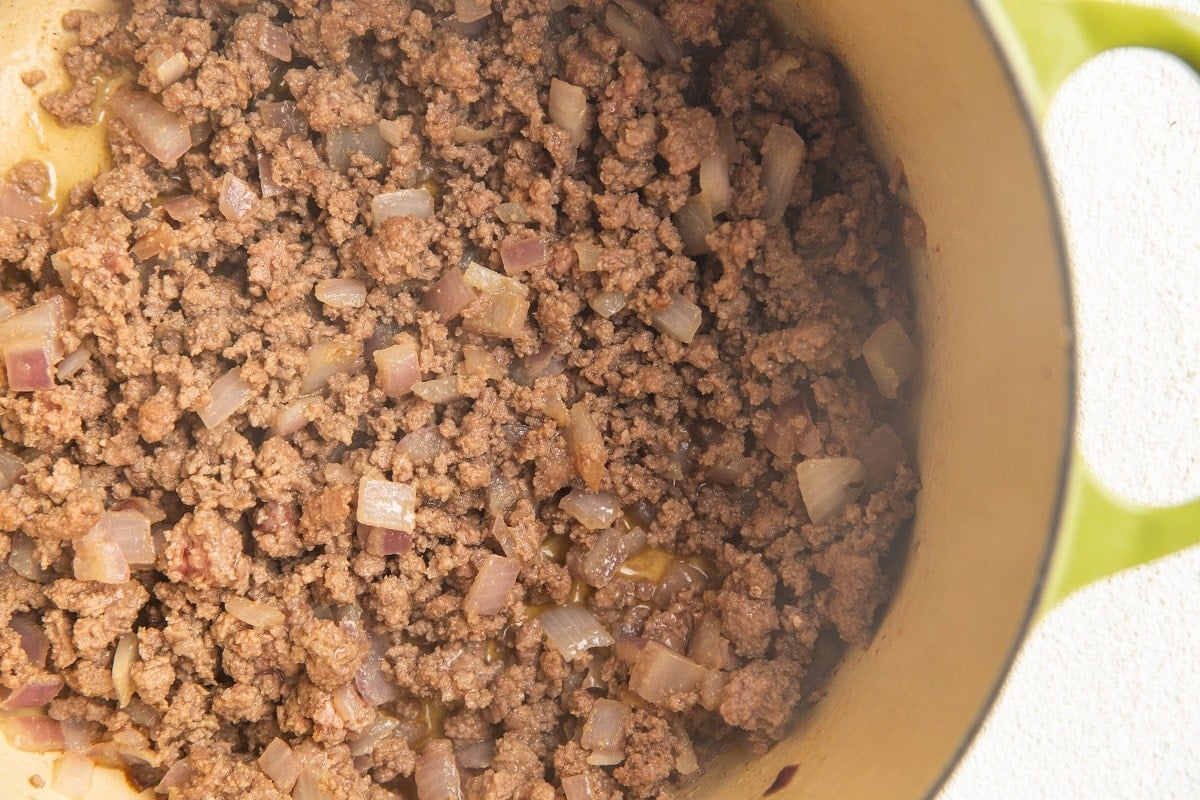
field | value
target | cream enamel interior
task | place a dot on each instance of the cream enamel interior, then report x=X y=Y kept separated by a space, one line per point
x=992 y=399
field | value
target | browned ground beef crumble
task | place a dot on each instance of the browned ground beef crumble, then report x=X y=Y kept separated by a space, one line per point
x=167 y=307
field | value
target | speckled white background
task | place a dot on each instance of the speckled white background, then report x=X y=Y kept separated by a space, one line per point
x=1104 y=700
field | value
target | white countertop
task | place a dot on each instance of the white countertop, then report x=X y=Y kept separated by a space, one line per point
x=1104 y=700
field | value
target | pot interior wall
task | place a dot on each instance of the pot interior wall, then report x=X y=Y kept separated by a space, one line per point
x=992 y=399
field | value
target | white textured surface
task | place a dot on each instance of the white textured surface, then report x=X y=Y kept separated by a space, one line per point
x=1104 y=700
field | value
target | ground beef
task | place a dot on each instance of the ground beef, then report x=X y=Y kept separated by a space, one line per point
x=273 y=609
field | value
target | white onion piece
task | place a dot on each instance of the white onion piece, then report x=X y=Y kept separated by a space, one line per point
x=18 y=205
x=327 y=359
x=449 y=296
x=342 y=293
x=33 y=733
x=694 y=222
x=714 y=181
x=586 y=447
x=512 y=214
x=608 y=304
x=476 y=755
x=341 y=143
x=880 y=454
x=7 y=309
x=254 y=613
x=572 y=629
x=436 y=774
x=275 y=42
x=503 y=318
x=267 y=185
x=97 y=559
x=656 y=30
x=387 y=542
x=371 y=681
x=164 y=134
x=122 y=667
x=34 y=641
x=492 y=282
x=227 y=394
x=308 y=787
x=72 y=776
x=129 y=530
x=236 y=199
x=73 y=363
x=383 y=727
x=178 y=775
x=594 y=510
x=284 y=115
x=790 y=430
x=707 y=646
x=184 y=208
x=402 y=203
x=386 y=504
x=579 y=787
x=635 y=39
x=782 y=156
x=421 y=445
x=569 y=109
x=524 y=371
x=479 y=361
x=523 y=255
x=588 y=255
x=828 y=484
x=12 y=469
x=678 y=577
x=350 y=706
x=171 y=69
x=489 y=591
x=608 y=552
x=28 y=364
x=891 y=357
x=437 y=391
x=22 y=558
x=472 y=10
x=659 y=672
x=280 y=764
x=464 y=135
x=294 y=416
x=392 y=131
x=679 y=320
x=604 y=732
x=34 y=693
x=397 y=367
x=501 y=495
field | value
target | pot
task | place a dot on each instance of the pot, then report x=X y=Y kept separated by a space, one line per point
x=1008 y=520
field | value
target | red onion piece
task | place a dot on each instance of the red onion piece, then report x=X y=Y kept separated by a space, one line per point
x=635 y=39
x=694 y=222
x=585 y=444
x=880 y=454
x=372 y=683
x=656 y=30
x=524 y=371
x=41 y=322
x=421 y=445
x=341 y=143
x=504 y=317
x=28 y=364
x=594 y=510
x=437 y=391
x=579 y=787
x=523 y=255
x=386 y=504
x=828 y=484
x=791 y=430
x=171 y=69
x=129 y=530
x=572 y=629
x=72 y=776
x=327 y=359
x=604 y=732
x=163 y=133
x=449 y=296
x=436 y=774
x=179 y=774
x=342 y=293
x=294 y=416
x=285 y=116
x=227 y=394
x=659 y=672
x=184 y=209
x=74 y=361
x=491 y=282
x=387 y=542
x=76 y=735
x=236 y=199
x=489 y=591
x=891 y=357
x=608 y=552
x=714 y=181
x=275 y=42
x=512 y=214
x=16 y=204
x=33 y=638
x=588 y=255
x=254 y=613
x=608 y=304
x=782 y=156
x=34 y=693
x=679 y=320
x=401 y=203
x=97 y=559
x=472 y=10
x=33 y=734
x=280 y=764
x=569 y=109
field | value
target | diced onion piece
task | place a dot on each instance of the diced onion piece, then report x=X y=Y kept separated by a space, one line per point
x=34 y=641
x=790 y=430
x=449 y=296
x=594 y=510
x=294 y=416
x=184 y=209
x=12 y=469
x=707 y=646
x=401 y=203
x=7 y=309
x=177 y=775
x=33 y=733
x=714 y=181
x=569 y=109
x=284 y=115
x=647 y=565
x=74 y=361
x=372 y=684
x=524 y=371
x=342 y=293
x=72 y=775
x=523 y=255
x=891 y=357
x=383 y=727
x=275 y=42
x=501 y=495
x=171 y=69
x=828 y=484
x=489 y=591
x=254 y=613
x=227 y=394
x=579 y=787
x=492 y=282
x=604 y=732
x=655 y=29
x=16 y=204
x=97 y=559
x=588 y=255
x=694 y=222
x=164 y=134
x=472 y=10
x=586 y=447
x=327 y=359
x=280 y=764
x=554 y=408
x=129 y=530
x=28 y=363
x=572 y=629
x=880 y=454
x=308 y=787
x=479 y=362
x=236 y=199
x=476 y=755
x=34 y=693
x=421 y=445
x=392 y=131
x=350 y=706
x=387 y=542
x=386 y=504
x=465 y=135
x=782 y=156
x=397 y=367
x=436 y=774
x=437 y=391
x=122 y=667
x=504 y=317
x=712 y=690
x=635 y=39
x=659 y=673
x=678 y=577
x=341 y=143
x=608 y=552
x=41 y=322
x=512 y=213
x=608 y=304
x=22 y=558
x=679 y=320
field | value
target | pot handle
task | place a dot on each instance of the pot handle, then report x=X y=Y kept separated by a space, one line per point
x=1046 y=40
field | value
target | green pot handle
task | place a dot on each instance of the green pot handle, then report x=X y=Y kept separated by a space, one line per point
x=1045 y=41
